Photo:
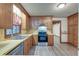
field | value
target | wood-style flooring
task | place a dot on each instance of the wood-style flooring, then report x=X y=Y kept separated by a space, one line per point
x=57 y=50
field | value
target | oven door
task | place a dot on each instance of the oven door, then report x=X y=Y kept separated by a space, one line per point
x=42 y=37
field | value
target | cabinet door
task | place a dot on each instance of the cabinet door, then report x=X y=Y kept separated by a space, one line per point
x=26 y=47
x=30 y=42
x=50 y=40
x=70 y=20
x=6 y=15
x=76 y=19
x=70 y=38
x=76 y=40
x=76 y=35
x=35 y=40
x=73 y=29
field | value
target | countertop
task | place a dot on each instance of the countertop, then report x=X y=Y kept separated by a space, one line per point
x=8 y=45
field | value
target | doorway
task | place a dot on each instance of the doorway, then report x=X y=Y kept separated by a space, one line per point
x=57 y=32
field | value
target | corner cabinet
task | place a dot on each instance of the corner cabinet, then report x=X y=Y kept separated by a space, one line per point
x=6 y=11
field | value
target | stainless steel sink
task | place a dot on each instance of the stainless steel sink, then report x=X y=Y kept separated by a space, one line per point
x=19 y=37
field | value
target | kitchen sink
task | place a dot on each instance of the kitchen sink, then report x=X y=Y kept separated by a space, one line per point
x=19 y=37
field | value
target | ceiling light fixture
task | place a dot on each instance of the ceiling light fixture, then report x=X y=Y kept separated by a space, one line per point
x=61 y=5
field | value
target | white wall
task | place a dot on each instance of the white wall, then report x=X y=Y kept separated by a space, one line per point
x=63 y=28
x=56 y=29
x=35 y=21
x=56 y=33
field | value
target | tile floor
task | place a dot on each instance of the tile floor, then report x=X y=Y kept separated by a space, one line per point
x=57 y=50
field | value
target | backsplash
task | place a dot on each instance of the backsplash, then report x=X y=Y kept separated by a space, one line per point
x=2 y=35
x=36 y=21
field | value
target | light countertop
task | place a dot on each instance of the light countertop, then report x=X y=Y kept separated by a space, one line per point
x=8 y=45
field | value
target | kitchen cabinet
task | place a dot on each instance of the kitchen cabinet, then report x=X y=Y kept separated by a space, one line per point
x=18 y=50
x=8 y=17
x=30 y=41
x=35 y=40
x=27 y=45
x=5 y=15
x=73 y=29
x=50 y=40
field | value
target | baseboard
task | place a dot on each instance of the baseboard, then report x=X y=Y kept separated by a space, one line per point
x=69 y=44
x=73 y=45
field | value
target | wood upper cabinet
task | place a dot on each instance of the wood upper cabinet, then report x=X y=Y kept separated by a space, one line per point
x=76 y=30
x=76 y=19
x=6 y=15
x=70 y=20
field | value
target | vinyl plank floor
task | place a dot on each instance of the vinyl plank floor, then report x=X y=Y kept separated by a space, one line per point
x=57 y=50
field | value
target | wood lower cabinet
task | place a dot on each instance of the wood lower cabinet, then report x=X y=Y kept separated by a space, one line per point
x=23 y=48
x=27 y=45
x=73 y=29
x=50 y=40
x=30 y=42
x=35 y=40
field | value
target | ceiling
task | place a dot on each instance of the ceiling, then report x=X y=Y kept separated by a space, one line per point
x=50 y=9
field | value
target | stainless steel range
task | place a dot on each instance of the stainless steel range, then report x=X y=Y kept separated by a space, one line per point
x=42 y=34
